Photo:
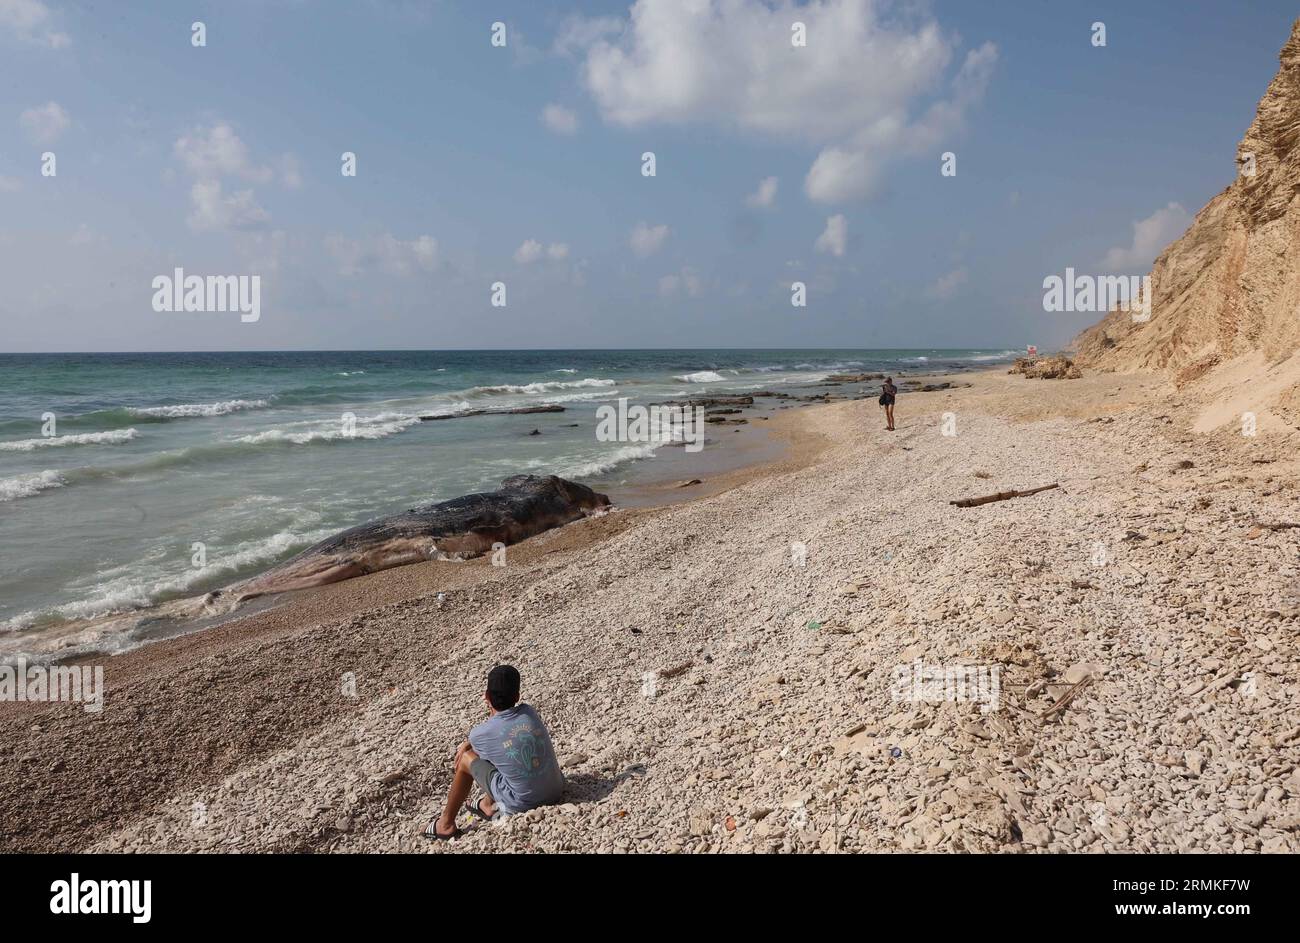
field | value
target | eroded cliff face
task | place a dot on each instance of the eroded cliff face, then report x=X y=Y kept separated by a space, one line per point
x=1229 y=288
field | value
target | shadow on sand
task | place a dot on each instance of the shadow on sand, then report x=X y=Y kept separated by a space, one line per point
x=584 y=788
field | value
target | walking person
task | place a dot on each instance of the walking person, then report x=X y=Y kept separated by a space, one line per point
x=887 y=393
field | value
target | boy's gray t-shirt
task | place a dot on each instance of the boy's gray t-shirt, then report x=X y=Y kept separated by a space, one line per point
x=518 y=744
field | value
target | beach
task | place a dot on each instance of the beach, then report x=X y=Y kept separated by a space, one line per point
x=736 y=672
x=131 y=483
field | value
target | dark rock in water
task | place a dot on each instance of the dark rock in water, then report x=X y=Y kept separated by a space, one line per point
x=536 y=432
x=708 y=401
x=854 y=377
x=513 y=411
x=726 y=411
x=524 y=506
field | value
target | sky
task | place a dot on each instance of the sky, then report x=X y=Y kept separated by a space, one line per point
x=522 y=164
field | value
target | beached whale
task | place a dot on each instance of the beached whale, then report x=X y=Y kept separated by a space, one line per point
x=524 y=505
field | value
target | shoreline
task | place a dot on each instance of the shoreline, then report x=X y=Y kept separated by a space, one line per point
x=736 y=449
x=771 y=715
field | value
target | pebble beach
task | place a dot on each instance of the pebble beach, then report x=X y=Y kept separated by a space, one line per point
x=730 y=673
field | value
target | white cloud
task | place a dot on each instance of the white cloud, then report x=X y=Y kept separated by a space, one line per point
x=45 y=123
x=765 y=195
x=214 y=211
x=578 y=33
x=945 y=286
x=532 y=251
x=868 y=88
x=384 y=253
x=835 y=237
x=839 y=174
x=1150 y=236
x=685 y=281
x=852 y=170
x=30 y=21
x=209 y=153
x=529 y=252
x=647 y=240
x=261 y=251
x=559 y=119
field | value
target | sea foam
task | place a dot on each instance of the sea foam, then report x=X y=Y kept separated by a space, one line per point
x=112 y=437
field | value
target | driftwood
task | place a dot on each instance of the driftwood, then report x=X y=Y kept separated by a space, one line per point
x=1000 y=496
x=1280 y=525
x=675 y=671
x=1064 y=700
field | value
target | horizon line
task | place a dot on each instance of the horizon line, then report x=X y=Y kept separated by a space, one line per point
x=476 y=350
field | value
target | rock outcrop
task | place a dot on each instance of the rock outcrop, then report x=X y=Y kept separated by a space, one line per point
x=1055 y=367
x=1229 y=288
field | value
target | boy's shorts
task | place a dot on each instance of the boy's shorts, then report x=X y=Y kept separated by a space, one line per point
x=482 y=772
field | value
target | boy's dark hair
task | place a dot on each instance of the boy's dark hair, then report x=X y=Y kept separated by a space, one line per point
x=503 y=687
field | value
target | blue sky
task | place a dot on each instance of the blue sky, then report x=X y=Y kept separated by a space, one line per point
x=478 y=164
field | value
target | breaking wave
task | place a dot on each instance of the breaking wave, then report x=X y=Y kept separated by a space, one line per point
x=24 y=486
x=113 y=437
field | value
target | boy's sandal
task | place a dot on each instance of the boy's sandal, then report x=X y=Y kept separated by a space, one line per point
x=433 y=833
x=474 y=809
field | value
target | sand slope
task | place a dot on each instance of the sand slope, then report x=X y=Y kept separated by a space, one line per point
x=1226 y=295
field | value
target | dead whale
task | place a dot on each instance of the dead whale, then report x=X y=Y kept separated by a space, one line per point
x=524 y=505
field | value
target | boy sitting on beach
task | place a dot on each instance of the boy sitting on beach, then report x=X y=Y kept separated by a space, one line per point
x=509 y=755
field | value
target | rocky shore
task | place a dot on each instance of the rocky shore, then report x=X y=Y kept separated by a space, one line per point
x=732 y=674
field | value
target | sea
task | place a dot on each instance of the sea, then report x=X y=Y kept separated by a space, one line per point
x=130 y=479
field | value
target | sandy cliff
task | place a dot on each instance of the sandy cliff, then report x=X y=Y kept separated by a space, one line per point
x=1225 y=314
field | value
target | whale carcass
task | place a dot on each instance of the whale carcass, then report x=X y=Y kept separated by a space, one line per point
x=523 y=506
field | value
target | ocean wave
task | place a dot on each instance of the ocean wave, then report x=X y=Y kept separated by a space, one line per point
x=374 y=427
x=455 y=409
x=608 y=461
x=581 y=397
x=198 y=410
x=24 y=486
x=131 y=591
x=832 y=367
x=112 y=437
x=565 y=370
x=540 y=387
x=703 y=376
x=980 y=358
